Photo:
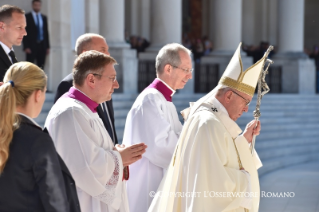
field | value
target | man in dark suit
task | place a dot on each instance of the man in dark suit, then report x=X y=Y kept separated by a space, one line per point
x=105 y=110
x=12 y=30
x=36 y=44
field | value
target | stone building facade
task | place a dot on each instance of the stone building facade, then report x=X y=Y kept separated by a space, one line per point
x=290 y=25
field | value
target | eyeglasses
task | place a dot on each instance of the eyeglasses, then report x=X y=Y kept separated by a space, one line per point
x=187 y=71
x=111 y=78
x=247 y=102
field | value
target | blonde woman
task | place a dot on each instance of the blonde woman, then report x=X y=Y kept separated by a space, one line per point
x=32 y=175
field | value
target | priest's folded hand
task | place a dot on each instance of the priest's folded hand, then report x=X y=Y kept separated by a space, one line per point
x=131 y=154
x=251 y=130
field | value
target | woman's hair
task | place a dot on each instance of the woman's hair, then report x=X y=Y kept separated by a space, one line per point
x=20 y=81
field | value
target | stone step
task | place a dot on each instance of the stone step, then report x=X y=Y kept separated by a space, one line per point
x=281 y=162
x=290 y=124
x=297 y=149
x=122 y=112
x=261 y=145
x=291 y=97
x=267 y=125
x=288 y=134
x=278 y=121
x=265 y=106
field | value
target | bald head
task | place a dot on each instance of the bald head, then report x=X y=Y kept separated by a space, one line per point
x=91 y=41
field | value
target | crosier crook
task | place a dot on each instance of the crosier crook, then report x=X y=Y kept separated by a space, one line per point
x=262 y=90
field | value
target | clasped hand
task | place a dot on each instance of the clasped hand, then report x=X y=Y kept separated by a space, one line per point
x=130 y=154
x=251 y=130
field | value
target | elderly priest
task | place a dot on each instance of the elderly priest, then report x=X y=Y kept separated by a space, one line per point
x=212 y=168
x=153 y=119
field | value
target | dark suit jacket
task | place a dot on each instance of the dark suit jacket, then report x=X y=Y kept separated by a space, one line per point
x=35 y=178
x=5 y=63
x=30 y=40
x=64 y=87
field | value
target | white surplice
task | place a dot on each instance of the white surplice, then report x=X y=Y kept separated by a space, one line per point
x=154 y=121
x=206 y=167
x=85 y=146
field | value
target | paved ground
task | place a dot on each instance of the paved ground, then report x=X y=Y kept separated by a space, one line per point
x=302 y=180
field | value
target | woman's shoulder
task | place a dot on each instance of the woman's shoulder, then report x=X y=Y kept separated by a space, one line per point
x=30 y=133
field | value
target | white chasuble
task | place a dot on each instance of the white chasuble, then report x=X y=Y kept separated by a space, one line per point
x=204 y=174
x=153 y=119
x=85 y=146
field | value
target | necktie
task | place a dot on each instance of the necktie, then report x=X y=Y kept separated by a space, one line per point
x=108 y=124
x=38 y=28
x=13 y=57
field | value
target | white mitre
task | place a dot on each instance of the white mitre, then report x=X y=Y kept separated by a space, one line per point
x=233 y=77
x=236 y=78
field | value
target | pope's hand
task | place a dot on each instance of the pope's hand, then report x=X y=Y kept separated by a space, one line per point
x=251 y=130
x=132 y=153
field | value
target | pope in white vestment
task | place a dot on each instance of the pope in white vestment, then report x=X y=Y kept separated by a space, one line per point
x=82 y=141
x=153 y=120
x=212 y=168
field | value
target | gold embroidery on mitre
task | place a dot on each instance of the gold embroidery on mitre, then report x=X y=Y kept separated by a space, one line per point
x=237 y=85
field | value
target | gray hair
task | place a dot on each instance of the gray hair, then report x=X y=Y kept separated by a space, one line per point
x=169 y=54
x=84 y=42
x=223 y=90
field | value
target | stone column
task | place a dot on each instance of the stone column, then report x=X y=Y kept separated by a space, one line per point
x=249 y=22
x=227 y=25
x=112 y=25
x=166 y=23
x=140 y=18
x=61 y=57
x=92 y=21
x=145 y=20
x=291 y=26
x=273 y=24
x=77 y=20
x=298 y=71
x=112 y=22
x=134 y=19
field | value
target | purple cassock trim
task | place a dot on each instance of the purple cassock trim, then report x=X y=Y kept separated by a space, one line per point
x=76 y=94
x=161 y=87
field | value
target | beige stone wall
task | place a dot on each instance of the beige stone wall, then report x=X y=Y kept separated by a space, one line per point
x=259 y=24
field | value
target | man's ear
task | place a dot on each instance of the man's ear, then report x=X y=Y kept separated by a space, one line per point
x=168 y=68
x=90 y=80
x=2 y=26
x=228 y=95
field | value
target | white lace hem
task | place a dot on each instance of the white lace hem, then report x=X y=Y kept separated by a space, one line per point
x=109 y=194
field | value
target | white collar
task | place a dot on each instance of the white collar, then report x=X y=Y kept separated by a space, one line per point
x=218 y=104
x=29 y=119
x=220 y=111
x=167 y=86
x=6 y=48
